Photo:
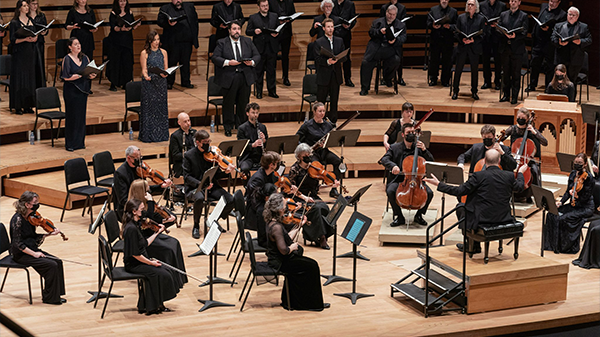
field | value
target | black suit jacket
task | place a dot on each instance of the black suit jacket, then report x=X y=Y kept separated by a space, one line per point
x=168 y=35
x=379 y=40
x=395 y=156
x=250 y=132
x=263 y=41
x=290 y=8
x=542 y=38
x=477 y=152
x=325 y=72
x=571 y=54
x=347 y=11
x=510 y=21
x=319 y=30
x=488 y=196
x=401 y=10
x=124 y=176
x=491 y=34
x=176 y=149
x=478 y=23
x=224 y=51
x=219 y=9
x=438 y=12
x=194 y=166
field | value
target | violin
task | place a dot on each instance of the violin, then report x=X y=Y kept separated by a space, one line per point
x=317 y=171
x=284 y=183
x=216 y=156
x=577 y=186
x=144 y=171
x=148 y=223
x=524 y=150
x=37 y=220
x=164 y=212
x=291 y=216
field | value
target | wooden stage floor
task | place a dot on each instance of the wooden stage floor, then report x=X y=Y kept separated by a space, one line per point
x=380 y=315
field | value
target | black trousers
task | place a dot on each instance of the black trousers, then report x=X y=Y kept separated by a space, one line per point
x=180 y=53
x=391 y=62
x=237 y=95
x=347 y=66
x=572 y=72
x=461 y=58
x=511 y=73
x=542 y=61
x=248 y=164
x=391 y=194
x=441 y=53
x=52 y=272
x=214 y=193
x=268 y=64
x=490 y=49
x=333 y=90
x=325 y=157
x=285 y=45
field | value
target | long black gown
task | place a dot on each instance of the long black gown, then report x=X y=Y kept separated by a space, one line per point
x=562 y=232
x=40 y=66
x=590 y=253
x=22 y=70
x=303 y=273
x=83 y=34
x=160 y=284
x=75 y=94
x=154 y=114
x=120 y=68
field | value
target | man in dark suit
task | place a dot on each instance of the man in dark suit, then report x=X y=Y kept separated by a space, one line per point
x=512 y=49
x=267 y=46
x=468 y=23
x=235 y=58
x=317 y=25
x=442 y=42
x=178 y=37
x=329 y=70
x=491 y=40
x=226 y=10
x=478 y=150
x=571 y=53
x=383 y=48
x=257 y=134
x=488 y=195
x=401 y=15
x=345 y=9
x=194 y=167
x=181 y=140
x=284 y=8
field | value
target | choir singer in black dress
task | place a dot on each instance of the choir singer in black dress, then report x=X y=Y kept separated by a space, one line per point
x=512 y=49
x=76 y=17
x=39 y=21
x=561 y=84
x=329 y=69
x=120 y=68
x=257 y=134
x=285 y=255
x=22 y=67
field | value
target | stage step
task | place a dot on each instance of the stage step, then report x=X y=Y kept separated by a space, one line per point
x=440 y=281
x=415 y=293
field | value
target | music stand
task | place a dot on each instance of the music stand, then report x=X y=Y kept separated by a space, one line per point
x=233 y=148
x=591 y=114
x=282 y=144
x=207 y=178
x=209 y=247
x=565 y=161
x=355 y=231
x=448 y=174
x=342 y=138
x=353 y=201
x=544 y=200
x=331 y=220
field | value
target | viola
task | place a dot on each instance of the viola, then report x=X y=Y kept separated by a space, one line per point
x=292 y=216
x=317 y=171
x=148 y=223
x=577 y=186
x=524 y=150
x=216 y=156
x=37 y=220
x=284 y=183
x=144 y=171
x=164 y=213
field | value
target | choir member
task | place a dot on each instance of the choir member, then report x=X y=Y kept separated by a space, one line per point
x=224 y=12
x=76 y=17
x=22 y=66
x=345 y=9
x=395 y=129
x=491 y=9
x=120 y=68
x=561 y=84
x=39 y=21
x=442 y=42
x=181 y=140
x=267 y=46
x=401 y=15
x=317 y=26
x=512 y=49
x=284 y=8
x=256 y=133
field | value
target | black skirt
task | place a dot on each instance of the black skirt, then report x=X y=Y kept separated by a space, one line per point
x=590 y=253
x=562 y=232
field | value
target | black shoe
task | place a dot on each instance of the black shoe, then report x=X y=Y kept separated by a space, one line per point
x=153 y=312
x=325 y=246
x=196 y=233
x=326 y=305
x=349 y=83
x=29 y=111
x=504 y=99
x=189 y=86
x=455 y=96
x=513 y=100
x=530 y=88
x=286 y=82
x=419 y=220
x=388 y=83
x=70 y=149
x=497 y=85
x=169 y=86
x=63 y=300
x=227 y=133
x=273 y=94
x=446 y=85
x=259 y=95
x=432 y=83
x=475 y=96
x=334 y=193
x=57 y=303
x=486 y=86
x=19 y=111
x=364 y=92
x=402 y=83
x=91 y=92
x=397 y=222
x=112 y=87
x=477 y=248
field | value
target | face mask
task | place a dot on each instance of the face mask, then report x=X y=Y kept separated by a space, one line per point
x=560 y=77
x=578 y=167
x=136 y=162
x=521 y=121
x=488 y=142
x=35 y=207
x=410 y=137
x=205 y=147
x=307 y=160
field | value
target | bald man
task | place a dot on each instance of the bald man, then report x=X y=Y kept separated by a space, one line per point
x=181 y=140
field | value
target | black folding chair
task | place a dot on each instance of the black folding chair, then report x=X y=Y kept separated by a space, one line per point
x=47 y=98
x=104 y=167
x=76 y=171
x=133 y=94
x=244 y=247
x=214 y=91
x=61 y=49
x=111 y=224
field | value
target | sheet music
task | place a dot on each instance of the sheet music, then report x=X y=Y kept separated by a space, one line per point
x=216 y=213
x=211 y=239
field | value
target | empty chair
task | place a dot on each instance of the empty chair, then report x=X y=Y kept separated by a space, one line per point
x=214 y=91
x=5 y=70
x=76 y=171
x=244 y=247
x=47 y=99
x=133 y=94
x=104 y=167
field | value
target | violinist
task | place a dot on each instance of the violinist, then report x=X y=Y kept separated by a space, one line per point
x=25 y=249
x=258 y=189
x=257 y=134
x=194 y=166
x=395 y=129
x=181 y=140
x=478 y=150
x=311 y=132
x=576 y=205
x=517 y=131
x=126 y=174
x=318 y=231
x=392 y=160
x=159 y=282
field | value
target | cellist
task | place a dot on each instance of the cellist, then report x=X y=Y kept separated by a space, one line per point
x=477 y=151
x=517 y=131
x=392 y=160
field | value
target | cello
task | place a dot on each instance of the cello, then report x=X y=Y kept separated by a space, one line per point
x=523 y=150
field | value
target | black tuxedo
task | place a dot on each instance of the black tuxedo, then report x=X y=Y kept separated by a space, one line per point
x=477 y=152
x=267 y=46
x=442 y=43
x=250 y=158
x=347 y=11
x=284 y=8
x=488 y=196
x=235 y=81
x=468 y=25
x=542 y=53
x=179 y=39
x=379 y=48
x=178 y=145
x=329 y=77
x=512 y=51
x=571 y=55
x=229 y=13
x=491 y=42
x=319 y=30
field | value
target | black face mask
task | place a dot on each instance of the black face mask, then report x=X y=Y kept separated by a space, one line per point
x=35 y=207
x=410 y=137
x=205 y=147
x=578 y=167
x=307 y=160
x=560 y=77
x=488 y=142
x=136 y=162
x=521 y=121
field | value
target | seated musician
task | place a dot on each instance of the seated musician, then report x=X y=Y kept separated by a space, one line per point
x=194 y=166
x=517 y=131
x=181 y=140
x=257 y=134
x=391 y=135
x=318 y=231
x=25 y=249
x=561 y=84
x=392 y=160
x=313 y=131
x=562 y=232
x=488 y=195
x=126 y=174
x=258 y=189
x=164 y=247
x=478 y=150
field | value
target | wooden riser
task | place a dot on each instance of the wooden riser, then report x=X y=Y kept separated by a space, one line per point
x=414 y=234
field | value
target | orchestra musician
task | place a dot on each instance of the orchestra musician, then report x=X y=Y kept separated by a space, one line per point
x=442 y=43
x=25 y=249
x=562 y=232
x=194 y=166
x=317 y=26
x=491 y=9
x=181 y=140
x=488 y=195
x=561 y=84
x=345 y=9
x=478 y=151
x=395 y=129
x=392 y=160
x=512 y=48
x=311 y=132
x=589 y=257
x=257 y=134
x=159 y=281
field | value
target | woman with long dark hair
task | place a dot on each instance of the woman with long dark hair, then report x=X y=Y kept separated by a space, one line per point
x=39 y=21
x=154 y=114
x=561 y=84
x=120 y=68
x=22 y=68
x=76 y=17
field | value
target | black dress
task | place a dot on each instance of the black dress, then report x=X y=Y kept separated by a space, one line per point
x=568 y=90
x=22 y=69
x=154 y=114
x=160 y=284
x=303 y=273
x=120 y=68
x=24 y=236
x=75 y=94
x=562 y=232
x=83 y=34
x=590 y=253
x=40 y=59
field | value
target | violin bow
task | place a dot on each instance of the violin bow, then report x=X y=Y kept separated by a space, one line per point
x=301 y=218
x=178 y=270
x=56 y=258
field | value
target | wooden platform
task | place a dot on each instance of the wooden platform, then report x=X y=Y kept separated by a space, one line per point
x=414 y=233
x=505 y=283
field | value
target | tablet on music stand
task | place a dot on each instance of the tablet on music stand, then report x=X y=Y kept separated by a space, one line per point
x=357 y=228
x=565 y=161
x=282 y=144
